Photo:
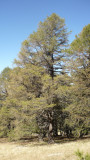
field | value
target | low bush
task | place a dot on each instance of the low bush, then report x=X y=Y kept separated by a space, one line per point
x=81 y=155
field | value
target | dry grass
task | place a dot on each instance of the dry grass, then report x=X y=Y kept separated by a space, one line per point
x=35 y=151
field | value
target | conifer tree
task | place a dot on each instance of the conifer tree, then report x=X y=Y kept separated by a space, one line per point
x=45 y=46
x=80 y=71
x=38 y=84
x=4 y=114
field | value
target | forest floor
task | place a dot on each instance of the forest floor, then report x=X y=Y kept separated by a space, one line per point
x=27 y=150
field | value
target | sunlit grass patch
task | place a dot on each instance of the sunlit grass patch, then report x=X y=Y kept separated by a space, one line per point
x=43 y=151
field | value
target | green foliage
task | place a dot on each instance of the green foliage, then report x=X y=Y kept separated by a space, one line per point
x=80 y=71
x=38 y=95
x=4 y=77
x=4 y=121
x=81 y=156
x=45 y=46
x=34 y=84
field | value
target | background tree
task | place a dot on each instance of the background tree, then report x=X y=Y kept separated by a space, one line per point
x=80 y=71
x=4 y=115
x=4 y=77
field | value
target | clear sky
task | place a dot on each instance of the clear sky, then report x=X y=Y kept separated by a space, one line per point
x=19 y=18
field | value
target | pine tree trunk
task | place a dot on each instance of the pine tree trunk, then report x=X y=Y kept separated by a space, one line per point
x=50 y=133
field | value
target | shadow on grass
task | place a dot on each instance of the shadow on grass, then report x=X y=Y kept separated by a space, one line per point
x=56 y=140
x=33 y=141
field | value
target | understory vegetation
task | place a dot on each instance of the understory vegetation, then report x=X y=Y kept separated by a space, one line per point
x=47 y=92
x=81 y=155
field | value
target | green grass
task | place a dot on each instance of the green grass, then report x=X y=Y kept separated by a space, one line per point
x=81 y=156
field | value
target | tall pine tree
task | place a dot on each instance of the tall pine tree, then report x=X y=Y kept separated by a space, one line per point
x=80 y=71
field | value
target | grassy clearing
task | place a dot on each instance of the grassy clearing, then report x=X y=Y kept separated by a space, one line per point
x=42 y=151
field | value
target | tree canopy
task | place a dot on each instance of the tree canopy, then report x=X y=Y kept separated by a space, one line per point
x=80 y=66
x=38 y=95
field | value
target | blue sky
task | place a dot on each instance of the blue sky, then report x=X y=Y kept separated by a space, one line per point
x=19 y=18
